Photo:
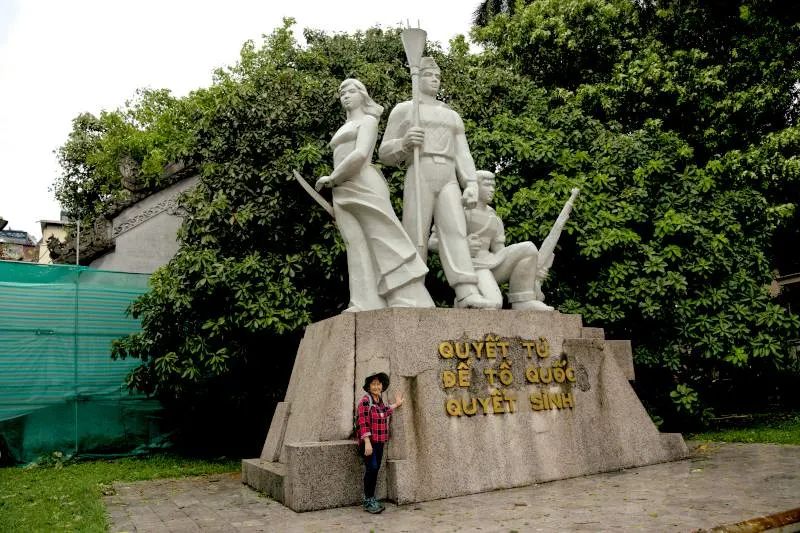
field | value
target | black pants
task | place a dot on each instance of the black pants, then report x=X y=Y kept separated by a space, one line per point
x=372 y=463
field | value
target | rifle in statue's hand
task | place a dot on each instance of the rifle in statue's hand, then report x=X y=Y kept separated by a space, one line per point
x=546 y=251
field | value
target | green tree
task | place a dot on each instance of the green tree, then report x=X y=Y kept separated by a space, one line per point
x=491 y=8
x=689 y=173
x=147 y=133
x=77 y=188
x=232 y=303
x=670 y=243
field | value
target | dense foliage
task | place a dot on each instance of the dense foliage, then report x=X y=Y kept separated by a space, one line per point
x=152 y=130
x=689 y=171
x=677 y=121
x=258 y=260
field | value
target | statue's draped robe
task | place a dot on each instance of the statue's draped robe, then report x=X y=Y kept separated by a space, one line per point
x=380 y=256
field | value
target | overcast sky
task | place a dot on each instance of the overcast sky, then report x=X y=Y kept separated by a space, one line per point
x=59 y=58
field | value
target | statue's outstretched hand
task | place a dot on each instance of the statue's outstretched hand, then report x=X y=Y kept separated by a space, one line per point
x=470 y=196
x=324 y=181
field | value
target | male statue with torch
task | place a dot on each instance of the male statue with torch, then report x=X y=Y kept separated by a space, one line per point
x=436 y=154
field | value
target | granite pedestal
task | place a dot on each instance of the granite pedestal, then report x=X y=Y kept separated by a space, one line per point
x=494 y=399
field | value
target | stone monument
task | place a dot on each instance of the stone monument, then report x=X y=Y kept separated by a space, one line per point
x=493 y=398
x=521 y=264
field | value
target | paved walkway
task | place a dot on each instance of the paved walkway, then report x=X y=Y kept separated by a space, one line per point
x=721 y=484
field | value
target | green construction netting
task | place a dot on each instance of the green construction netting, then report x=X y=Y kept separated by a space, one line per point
x=59 y=388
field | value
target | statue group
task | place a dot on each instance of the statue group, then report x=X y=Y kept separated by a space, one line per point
x=485 y=377
x=445 y=206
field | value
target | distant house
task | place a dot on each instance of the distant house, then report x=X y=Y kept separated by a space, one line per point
x=51 y=228
x=137 y=233
x=17 y=245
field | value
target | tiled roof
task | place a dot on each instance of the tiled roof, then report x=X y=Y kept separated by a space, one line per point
x=17 y=237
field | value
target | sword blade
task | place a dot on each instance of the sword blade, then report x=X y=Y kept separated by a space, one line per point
x=314 y=194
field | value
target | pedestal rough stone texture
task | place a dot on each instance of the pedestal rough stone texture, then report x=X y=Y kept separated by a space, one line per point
x=433 y=454
x=277 y=428
x=321 y=475
x=265 y=476
x=321 y=387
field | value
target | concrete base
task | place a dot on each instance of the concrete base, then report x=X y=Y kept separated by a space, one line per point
x=317 y=475
x=475 y=434
x=266 y=476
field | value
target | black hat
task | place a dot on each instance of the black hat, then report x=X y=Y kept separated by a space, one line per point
x=382 y=376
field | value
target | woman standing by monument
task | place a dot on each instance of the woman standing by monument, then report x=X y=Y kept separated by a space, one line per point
x=373 y=433
x=384 y=268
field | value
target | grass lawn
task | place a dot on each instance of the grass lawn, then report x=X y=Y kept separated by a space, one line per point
x=776 y=428
x=69 y=496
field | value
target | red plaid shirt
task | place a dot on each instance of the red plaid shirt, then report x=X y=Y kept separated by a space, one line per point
x=373 y=421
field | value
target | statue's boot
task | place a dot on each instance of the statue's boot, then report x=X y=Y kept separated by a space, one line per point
x=413 y=294
x=532 y=304
x=523 y=284
x=468 y=296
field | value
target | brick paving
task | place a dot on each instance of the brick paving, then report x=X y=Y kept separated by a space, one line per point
x=720 y=484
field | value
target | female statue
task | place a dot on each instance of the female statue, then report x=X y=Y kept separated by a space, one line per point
x=383 y=265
